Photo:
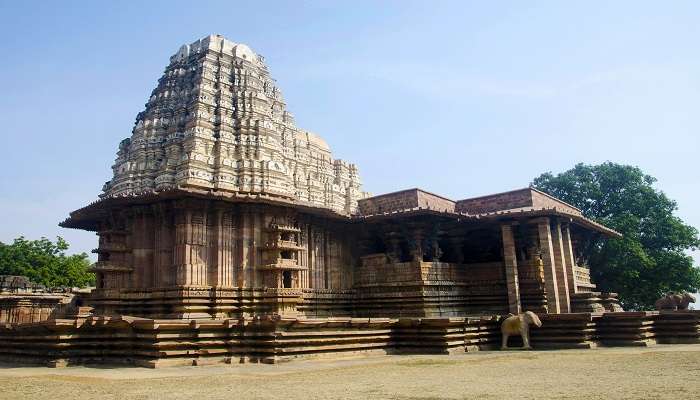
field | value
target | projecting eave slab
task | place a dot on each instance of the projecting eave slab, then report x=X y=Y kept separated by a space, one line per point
x=88 y=217
x=553 y=212
x=493 y=217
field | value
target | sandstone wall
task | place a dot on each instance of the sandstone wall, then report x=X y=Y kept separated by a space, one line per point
x=204 y=248
x=527 y=198
x=403 y=200
x=496 y=202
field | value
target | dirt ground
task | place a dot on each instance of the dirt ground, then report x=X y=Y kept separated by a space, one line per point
x=660 y=372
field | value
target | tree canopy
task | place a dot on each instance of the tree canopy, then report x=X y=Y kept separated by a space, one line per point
x=650 y=259
x=45 y=262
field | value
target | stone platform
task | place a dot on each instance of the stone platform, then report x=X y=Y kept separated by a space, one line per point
x=156 y=343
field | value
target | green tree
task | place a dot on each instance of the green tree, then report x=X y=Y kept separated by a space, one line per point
x=650 y=259
x=45 y=262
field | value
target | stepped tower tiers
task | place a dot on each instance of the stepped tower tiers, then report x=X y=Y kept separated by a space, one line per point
x=217 y=121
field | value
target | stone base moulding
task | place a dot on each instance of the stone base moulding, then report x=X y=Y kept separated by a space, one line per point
x=165 y=342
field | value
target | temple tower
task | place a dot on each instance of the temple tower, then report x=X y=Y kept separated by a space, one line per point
x=217 y=121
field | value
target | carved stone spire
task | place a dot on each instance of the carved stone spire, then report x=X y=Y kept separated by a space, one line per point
x=217 y=120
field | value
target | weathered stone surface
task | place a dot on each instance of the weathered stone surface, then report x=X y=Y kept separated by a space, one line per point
x=217 y=120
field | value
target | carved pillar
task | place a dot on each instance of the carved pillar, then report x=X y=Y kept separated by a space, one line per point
x=334 y=261
x=326 y=260
x=547 y=252
x=142 y=243
x=163 y=273
x=157 y=248
x=303 y=257
x=256 y=223
x=435 y=250
x=392 y=241
x=246 y=221
x=222 y=248
x=181 y=248
x=561 y=268
x=456 y=243
x=318 y=261
x=569 y=258
x=234 y=240
x=417 y=250
x=203 y=242
x=239 y=220
x=311 y=256
x=510 y=261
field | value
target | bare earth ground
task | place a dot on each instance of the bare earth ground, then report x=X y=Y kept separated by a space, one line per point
x=660 y=372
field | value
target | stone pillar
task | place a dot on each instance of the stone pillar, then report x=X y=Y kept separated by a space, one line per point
x=239 y=258
x=456 y=247
x=244 y=277
x=319 y=252
x=546 y=247
x=200 y=249
x=182 y=247
x=142 y=244
x=326 y=260
x=393 y=249
x=510 y=261
x=417 y=250
x=221 y=268
x=334 y=261
x=561 y=267
x=304 y=256
x=163 y=274
x=158 y=248
x=256 y=226
x=311 y=255
x=569 y=258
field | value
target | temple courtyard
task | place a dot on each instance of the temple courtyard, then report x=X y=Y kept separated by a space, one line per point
x=658 y=372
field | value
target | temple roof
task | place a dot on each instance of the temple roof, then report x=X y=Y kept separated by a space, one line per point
x=515 y=204
x=416 y=202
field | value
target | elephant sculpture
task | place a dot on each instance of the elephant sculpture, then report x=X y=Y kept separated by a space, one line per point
x=674 y=301
x=519 y=325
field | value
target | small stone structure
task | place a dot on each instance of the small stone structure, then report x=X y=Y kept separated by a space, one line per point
x=228 y=234
x=22 y=301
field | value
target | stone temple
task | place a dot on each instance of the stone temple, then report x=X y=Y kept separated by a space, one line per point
x=229 y=233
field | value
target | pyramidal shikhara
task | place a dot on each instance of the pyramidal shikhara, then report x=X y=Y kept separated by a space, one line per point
x=217 y=120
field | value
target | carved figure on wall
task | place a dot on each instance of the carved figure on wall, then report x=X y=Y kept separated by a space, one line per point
x=519 y=325
x=674 y=301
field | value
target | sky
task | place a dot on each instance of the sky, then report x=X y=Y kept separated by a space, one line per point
x=459 y=98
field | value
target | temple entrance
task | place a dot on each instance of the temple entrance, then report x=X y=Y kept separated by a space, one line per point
x=287 y=279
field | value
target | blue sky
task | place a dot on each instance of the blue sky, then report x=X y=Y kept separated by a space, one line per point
x=459 y=98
